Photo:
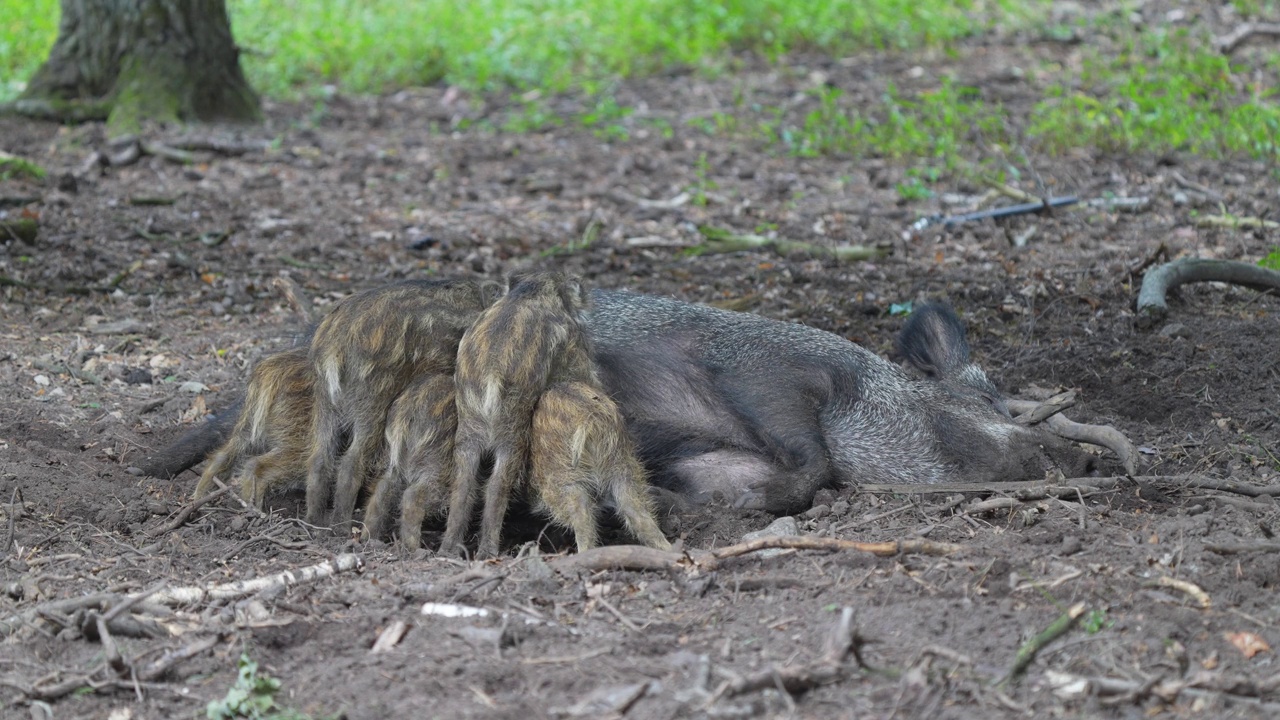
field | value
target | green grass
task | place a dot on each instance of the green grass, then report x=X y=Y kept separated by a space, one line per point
x=1147 y=90
x=27 y=30
x=1163 y=93
x=374 y=45
x=935 y=127
x=379 y=45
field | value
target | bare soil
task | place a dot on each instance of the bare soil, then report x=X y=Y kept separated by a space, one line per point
x=352 y=193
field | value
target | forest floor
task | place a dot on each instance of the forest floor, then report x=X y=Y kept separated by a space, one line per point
x=352 y=193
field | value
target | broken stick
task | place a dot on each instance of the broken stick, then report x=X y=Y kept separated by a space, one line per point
x=1100 y=435
x=240 y=588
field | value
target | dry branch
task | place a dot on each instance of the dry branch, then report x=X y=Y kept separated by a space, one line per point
x=1157 y=283
x=185 y=514
x=1037 y=489
x=1047 y=409
x=723 y=241
x=637 y=557
x=1228 y=43
x=240 y=588
x=1101 y=435
x=1194 y=591
x=843 y=641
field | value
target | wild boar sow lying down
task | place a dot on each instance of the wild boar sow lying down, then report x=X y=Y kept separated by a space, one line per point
x=738 y=408
x=764 y=413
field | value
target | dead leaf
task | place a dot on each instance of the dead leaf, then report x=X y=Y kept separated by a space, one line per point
x=1248 y=643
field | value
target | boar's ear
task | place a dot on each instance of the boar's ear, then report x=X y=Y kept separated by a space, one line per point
x=576 y=294
x=491 y=290
x=933 y=340
x=516 y=277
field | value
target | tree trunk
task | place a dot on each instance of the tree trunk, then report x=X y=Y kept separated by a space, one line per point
x=132 y=62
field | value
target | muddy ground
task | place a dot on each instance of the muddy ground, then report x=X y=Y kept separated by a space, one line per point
x=350 y=193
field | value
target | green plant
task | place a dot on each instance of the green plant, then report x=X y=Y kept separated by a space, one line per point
x=12 y=166
x=252 y=697
x=1095 y=621
x=605 y=118
x=702 y=184
x=914 y=189
x=1272 y=260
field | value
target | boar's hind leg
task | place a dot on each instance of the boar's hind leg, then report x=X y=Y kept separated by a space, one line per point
x=382 y=504
x=632 y=504
x=324 y=456
x=222 y=462
x=509 y=467
x=366 y=445
x=267 y=472
x=783 y=422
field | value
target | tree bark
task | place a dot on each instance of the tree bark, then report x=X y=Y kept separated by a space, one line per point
x=132 y=62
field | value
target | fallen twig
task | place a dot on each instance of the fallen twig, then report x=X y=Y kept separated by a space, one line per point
x=1035 y=489
x=1242 y=548
x=390 y=637
x=637 y=557
x=1228 y=43
x=1157 y=283
x=1195 y=591
x=1236 y=222
x=1068 y=686
x=240 y=588
x=844 y=641
x=1047 y=409
x=1101 y=435
x=185 y=514
x=724 y=241
x=1194 y=186
x=1030 y=648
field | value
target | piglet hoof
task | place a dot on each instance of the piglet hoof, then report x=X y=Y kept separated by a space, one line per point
x=452 y=548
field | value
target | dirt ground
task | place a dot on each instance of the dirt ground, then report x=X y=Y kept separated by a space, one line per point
x=351 y=193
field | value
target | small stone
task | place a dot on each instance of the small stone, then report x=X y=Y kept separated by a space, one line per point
x=237 y=523
x=1175 y=330
x=137 y=376
x=42 y=380
x=1071 y=545
x=1180 y=198
x=840 y=507
x=193 y=386
x=782 y=527
x=815 y=512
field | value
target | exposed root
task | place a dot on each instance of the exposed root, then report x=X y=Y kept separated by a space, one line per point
x=1101 y=435
x=1157 y=283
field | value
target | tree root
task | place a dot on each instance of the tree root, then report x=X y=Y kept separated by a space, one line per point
x=1157 y=283
x=1101 y=435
